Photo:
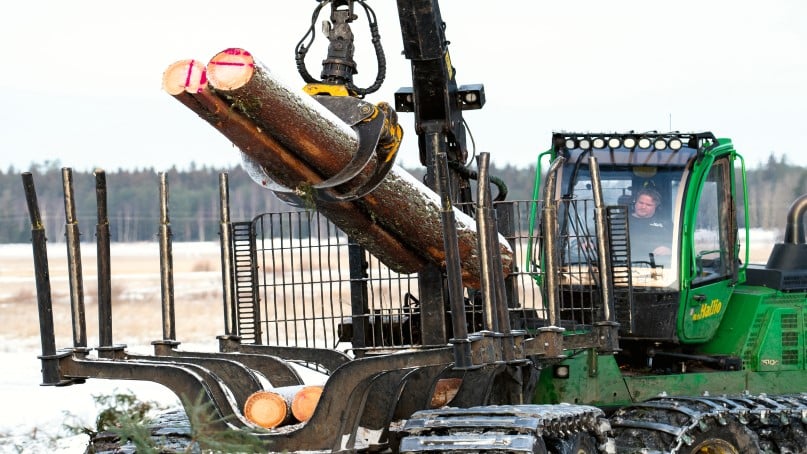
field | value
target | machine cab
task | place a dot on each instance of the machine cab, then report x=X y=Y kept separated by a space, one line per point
x=671 y=228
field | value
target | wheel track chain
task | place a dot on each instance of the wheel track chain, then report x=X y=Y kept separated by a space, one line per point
x=670 y=424
x=502 y=428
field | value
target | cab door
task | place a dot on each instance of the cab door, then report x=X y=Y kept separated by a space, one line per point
x=709 y=253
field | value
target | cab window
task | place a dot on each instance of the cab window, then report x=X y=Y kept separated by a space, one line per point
x=713 y=241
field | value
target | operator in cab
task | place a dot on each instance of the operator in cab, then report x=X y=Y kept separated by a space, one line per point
x=649 y=234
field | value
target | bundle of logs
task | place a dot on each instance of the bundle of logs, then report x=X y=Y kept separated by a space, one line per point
x=294 y=142
x=281 y=406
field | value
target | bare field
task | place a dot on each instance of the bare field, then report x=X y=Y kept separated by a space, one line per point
x=136 y=293
x=35 y=424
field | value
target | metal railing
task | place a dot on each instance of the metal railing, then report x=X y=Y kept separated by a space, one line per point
x=313 y=287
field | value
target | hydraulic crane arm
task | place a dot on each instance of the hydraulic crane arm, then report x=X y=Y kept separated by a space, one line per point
x=434 y=97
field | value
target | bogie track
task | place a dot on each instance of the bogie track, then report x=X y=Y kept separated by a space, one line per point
x=727 y=424
x=730 y=424
x=558 y=428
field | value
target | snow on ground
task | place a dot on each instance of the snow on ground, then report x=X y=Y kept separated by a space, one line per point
x=33 y=417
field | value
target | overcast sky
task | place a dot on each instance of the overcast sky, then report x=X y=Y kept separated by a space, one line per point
x=80 y=79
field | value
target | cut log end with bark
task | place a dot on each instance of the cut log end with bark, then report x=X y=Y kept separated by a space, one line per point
x=185 y=76
x=279 y=406
x=305 y=402
x=230 y=69
x=267 y=409
x=444 y=391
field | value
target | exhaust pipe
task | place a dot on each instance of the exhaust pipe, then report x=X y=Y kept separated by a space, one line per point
x=794 y=230
x=792 y=253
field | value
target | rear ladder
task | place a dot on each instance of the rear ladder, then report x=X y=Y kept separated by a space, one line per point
x=245 y=270
x=617 y=221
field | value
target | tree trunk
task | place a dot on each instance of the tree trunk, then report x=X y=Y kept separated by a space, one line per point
x=298 y=143
x=444 y=391
x=287 y=170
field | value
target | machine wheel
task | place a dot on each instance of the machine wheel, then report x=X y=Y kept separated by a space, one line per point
x=797 y=438
x=789 y=439
x=732 y=438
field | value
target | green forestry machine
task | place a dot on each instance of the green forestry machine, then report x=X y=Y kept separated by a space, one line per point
x=446 y=318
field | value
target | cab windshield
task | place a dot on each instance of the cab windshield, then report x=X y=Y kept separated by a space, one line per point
x=644 y=186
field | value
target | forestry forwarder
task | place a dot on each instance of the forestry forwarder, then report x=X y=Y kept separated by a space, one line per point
x=570 y=338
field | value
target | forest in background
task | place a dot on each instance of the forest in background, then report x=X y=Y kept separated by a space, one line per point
x=133 y=199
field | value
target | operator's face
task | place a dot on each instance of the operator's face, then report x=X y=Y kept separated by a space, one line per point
x=645 y=207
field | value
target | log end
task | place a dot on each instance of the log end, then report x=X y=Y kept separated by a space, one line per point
x=444 y=391
x=185 y=76
x=266 y=409
x=305 y=402
x=230 y=69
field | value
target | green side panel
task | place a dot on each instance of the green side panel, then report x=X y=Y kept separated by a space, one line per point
x=604 y=384
x=598 y=381
x=779 y=348
x=765 y=328
x=780 y=382
x=592 y=379
x=717 y=383
x=695 y=384
x=738 y=326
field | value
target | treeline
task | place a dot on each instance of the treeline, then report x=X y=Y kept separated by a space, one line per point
x=772 y=187
x=133 y=199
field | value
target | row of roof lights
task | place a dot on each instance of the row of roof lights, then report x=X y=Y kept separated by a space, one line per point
x=658 y=143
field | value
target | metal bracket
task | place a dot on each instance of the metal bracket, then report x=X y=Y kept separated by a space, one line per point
x=368 y=122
